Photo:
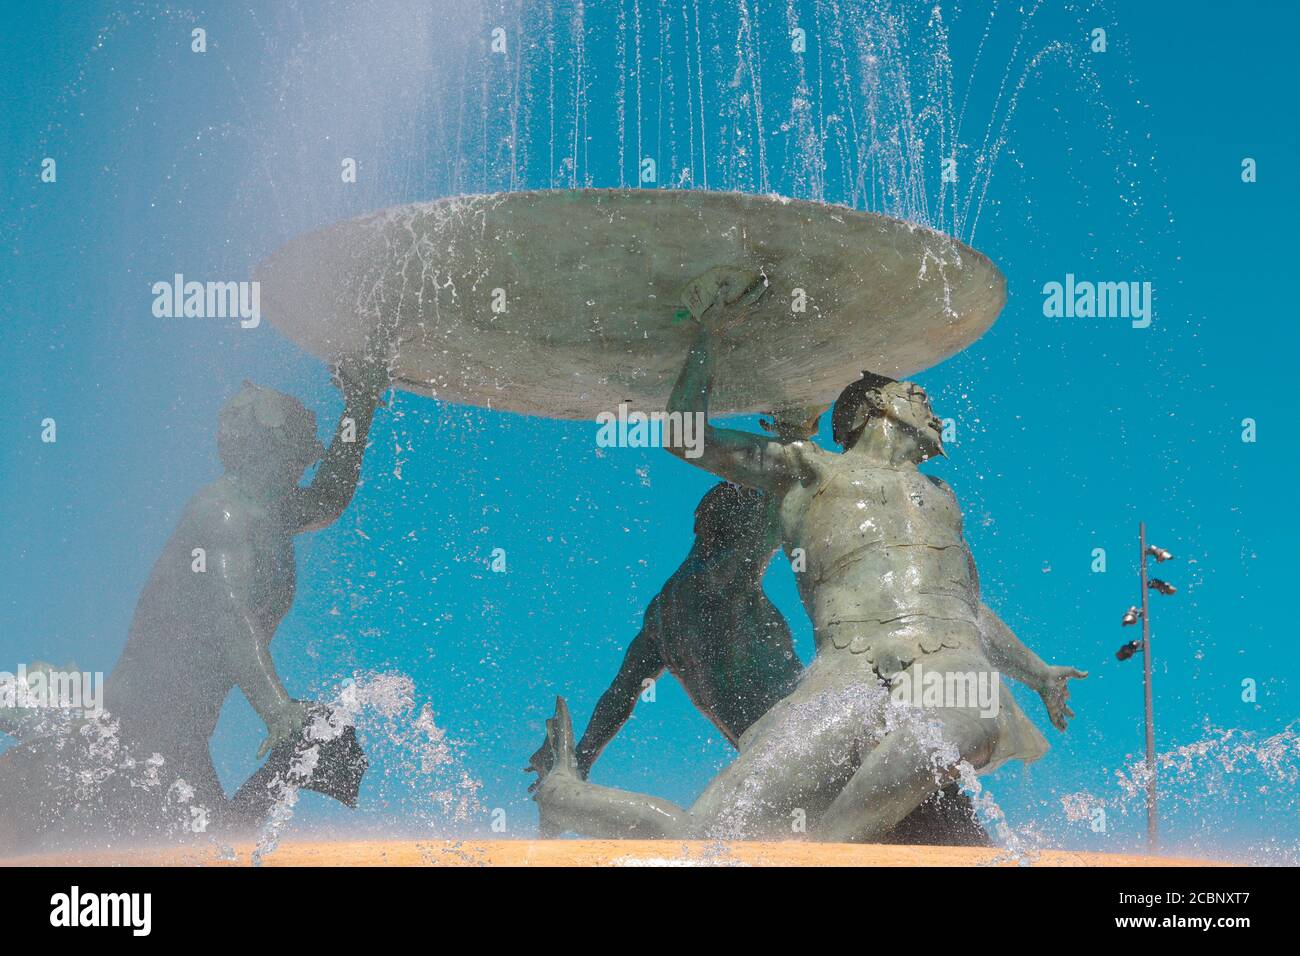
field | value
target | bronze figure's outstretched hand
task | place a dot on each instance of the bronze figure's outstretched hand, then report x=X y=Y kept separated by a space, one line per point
x=1055 y=690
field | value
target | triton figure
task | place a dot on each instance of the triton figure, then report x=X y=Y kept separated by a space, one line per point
x=202 y=628
x=714 y=629
x=889 y=584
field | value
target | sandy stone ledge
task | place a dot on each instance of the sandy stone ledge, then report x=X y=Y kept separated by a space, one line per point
x=581 y=853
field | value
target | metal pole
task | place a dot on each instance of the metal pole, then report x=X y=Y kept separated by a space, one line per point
x=1146 y=683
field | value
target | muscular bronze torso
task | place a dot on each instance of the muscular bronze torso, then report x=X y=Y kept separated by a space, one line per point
x=888 y=572
x=721 y=637
x=173 y=651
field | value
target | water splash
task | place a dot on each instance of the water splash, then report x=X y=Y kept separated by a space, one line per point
x=71 y=763
x=66 y=765
x=1015 y=845
x=841 y=716
x=1218 y=772
x=420 y=763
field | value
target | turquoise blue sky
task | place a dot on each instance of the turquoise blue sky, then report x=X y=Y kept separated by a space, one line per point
x=1123 y=165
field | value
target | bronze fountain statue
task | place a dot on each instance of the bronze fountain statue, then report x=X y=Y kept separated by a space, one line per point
x=476 y=300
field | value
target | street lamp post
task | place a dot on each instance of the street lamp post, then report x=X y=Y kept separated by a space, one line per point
x=1124 y=653
x=1146 y=690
